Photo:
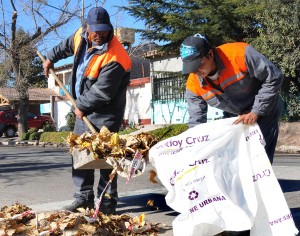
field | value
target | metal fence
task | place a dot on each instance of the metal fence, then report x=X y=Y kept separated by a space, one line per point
x=168 y=86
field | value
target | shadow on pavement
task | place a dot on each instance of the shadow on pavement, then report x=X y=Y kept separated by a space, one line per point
x=158 y=213
x=21 y=166
x=139 y=204
x=288 y=185
x=296 y=216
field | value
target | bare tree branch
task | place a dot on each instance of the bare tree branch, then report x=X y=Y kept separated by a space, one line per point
x=20 y=46
x=36 y=34
x=32 y=13
x=13 y=27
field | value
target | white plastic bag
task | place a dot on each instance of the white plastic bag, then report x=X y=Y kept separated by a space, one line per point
x=218 y=177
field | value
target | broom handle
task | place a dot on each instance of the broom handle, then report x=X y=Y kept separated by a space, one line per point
x=62 y=86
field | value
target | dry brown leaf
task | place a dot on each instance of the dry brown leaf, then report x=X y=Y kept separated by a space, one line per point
x=152 y=176
x=142 y=217
x=85 y=228
x=150 y=203
x=106 y=195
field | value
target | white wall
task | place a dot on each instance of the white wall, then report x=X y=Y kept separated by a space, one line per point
x=61 y=109
x=63 y=75
x=166 y=64
x=138 y=103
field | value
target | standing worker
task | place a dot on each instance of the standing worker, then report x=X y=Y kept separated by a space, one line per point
x=99 y=80
x=237 y=79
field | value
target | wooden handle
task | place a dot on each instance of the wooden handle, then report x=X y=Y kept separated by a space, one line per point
x=62 y=86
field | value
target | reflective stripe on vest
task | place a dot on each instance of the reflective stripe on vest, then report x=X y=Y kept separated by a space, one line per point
x=232 y=56
x=77 y=39
x=193 y=84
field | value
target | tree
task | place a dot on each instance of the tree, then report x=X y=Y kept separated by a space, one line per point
x=17 y=44
x=279 y=40
x=170 y=21
x=30 y=65
x=272 y=27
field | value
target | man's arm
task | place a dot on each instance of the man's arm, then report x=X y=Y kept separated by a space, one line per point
x=63 y=50
x=270 y=76
x=197 y=109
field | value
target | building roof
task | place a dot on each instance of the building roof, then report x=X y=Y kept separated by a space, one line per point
x=139 y=82
x=63 y=67
x=158 y=54
x=35 y=94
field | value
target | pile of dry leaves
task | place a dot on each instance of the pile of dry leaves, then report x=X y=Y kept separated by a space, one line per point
x=106 y=143
x=19 y=219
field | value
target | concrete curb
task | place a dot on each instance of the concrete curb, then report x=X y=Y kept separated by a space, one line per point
x=288 y=149
x=18 y=143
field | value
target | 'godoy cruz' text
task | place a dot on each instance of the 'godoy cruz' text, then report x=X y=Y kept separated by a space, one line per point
x=188 y=140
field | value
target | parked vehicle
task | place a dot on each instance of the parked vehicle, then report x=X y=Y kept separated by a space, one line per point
x=9 y=123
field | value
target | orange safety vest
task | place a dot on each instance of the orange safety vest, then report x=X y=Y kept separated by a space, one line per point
x=115 y=52
x=232 y=56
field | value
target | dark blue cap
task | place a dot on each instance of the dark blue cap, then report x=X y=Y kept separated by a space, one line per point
x=192 y=50
x=98 y=19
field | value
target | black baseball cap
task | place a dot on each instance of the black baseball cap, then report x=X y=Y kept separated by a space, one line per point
x=98 y=19
x=192 y=49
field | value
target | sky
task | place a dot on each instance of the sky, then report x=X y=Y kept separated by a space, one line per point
x=51 y=10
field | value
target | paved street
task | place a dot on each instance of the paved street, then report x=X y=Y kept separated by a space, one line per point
x=41 y=179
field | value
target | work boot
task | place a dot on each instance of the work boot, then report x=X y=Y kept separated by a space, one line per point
x=108 y=210
x=79 y=203
x=108 y=206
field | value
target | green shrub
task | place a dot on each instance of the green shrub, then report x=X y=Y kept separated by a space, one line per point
x=49 y=127
x=33 y=130
x=54 y=137
x=169 y=131
x=160 y=134
x=25 y=136
x=35 y=136
x=127 y=131
x=70 y=117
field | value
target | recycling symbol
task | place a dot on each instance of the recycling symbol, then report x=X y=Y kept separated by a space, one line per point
x=193 y=195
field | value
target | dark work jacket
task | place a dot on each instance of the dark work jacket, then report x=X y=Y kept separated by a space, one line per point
x=104 y=82
x=247 y=81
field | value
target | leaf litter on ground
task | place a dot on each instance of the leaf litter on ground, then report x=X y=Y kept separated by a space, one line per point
x=19 y=219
